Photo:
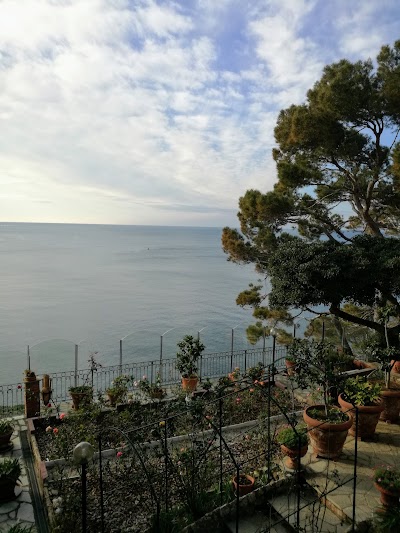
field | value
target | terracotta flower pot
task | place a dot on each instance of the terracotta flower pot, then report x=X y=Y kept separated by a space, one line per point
x=327 y=439
x=293 y=456
x=368 y=416
x=80 y=398
x=391 y=405
x=243 y=488
x=388 y=498
x=290 y=367
x=396 y=366
x=190 y=384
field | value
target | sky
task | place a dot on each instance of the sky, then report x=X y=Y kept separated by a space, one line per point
x=159 y=112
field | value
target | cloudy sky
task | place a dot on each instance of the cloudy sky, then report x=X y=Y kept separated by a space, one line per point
x=158 y=111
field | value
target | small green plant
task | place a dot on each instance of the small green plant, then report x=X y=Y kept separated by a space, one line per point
x=81 y=389
x=190 y=350
x=119 y=388
x=256 y=372
x=207 y=385
x=293 y=438
x=10 y=469
x=152 y=390
x=6 y=426
x=388 y=520
x=388 y=477
x=360 y=391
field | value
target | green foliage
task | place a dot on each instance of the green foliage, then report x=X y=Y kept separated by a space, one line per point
x=152 y=390
x=331 y=155
x=6 y=426
x=190 y=350
x=82 y=389
x=388 y=520
x=359 y=391
x=18 y=528
x=10 y=469
x=293 y=437
x=256 y=372
x=388 y=477
x=317 y=367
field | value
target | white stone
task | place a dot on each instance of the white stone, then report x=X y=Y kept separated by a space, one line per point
x=25 y=512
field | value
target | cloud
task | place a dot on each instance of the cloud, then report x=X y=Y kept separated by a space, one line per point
x=137 y=112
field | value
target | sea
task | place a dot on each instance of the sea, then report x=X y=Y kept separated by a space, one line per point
x=101 y=288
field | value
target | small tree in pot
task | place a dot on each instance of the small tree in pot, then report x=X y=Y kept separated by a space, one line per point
x=190 y=349
x=316 y=370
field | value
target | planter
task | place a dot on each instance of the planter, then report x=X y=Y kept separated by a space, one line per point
x=7 y=487
x=293 y=456
x=245 y=485
x=327 y=438
x=391 y=405
x=396 y=366
x=79 y=399
x=368 y=416
x=189 y=384
x=388 y=498
x=157 y=394
x=5 y=439
x=290 y=367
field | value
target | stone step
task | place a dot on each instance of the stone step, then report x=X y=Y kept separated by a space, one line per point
x=256 y=523
x=314 y=516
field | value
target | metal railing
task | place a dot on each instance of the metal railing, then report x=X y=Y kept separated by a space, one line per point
x=213 y=365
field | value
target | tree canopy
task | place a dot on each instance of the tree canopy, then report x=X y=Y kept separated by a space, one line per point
x=328 y=232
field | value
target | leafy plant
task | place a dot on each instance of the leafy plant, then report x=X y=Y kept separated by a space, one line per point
x=18 y=528
x=10 y=469
x=151 y=389
x=6 y=426
x=292 y=438
x=360 y=391
x=207 y=385
x=82 y=389
x=388 y=520
x=256 y=372
x=316 y=368
x=388 y=477
x=190 y=350
x=119 y=388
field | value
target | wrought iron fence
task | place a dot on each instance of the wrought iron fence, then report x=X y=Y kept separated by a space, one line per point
x=213 y=365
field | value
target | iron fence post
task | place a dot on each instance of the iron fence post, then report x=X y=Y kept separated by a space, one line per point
x=232 y=334
x=76 y=366
x=245 y=360
x=273 y=359
x=120 y=357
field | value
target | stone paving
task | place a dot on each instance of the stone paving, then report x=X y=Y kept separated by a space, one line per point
x=20 y=510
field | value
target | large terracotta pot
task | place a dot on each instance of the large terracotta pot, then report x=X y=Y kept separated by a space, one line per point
x=290 y=367
x=368 y=416
x=391 y=405
x=396 y=366
x=243 y=489
x=327 y=439
x=190 y=384
x=80 y=399
x=388 y=498
x=293 y=455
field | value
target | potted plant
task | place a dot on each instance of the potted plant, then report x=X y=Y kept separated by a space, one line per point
x=81 y=395
x=152 y=390
x=256 y=372
x=10 y=471
x=365 y=395
x=390 y=392
x=290 y=363
x=294 y=444
x=244 y=485
x=6 y=431
x=327 y=425
x=190 y=350
x=117 y=393
x=387 y=481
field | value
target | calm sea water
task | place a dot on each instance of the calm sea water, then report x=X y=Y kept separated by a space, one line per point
x=67 y=284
